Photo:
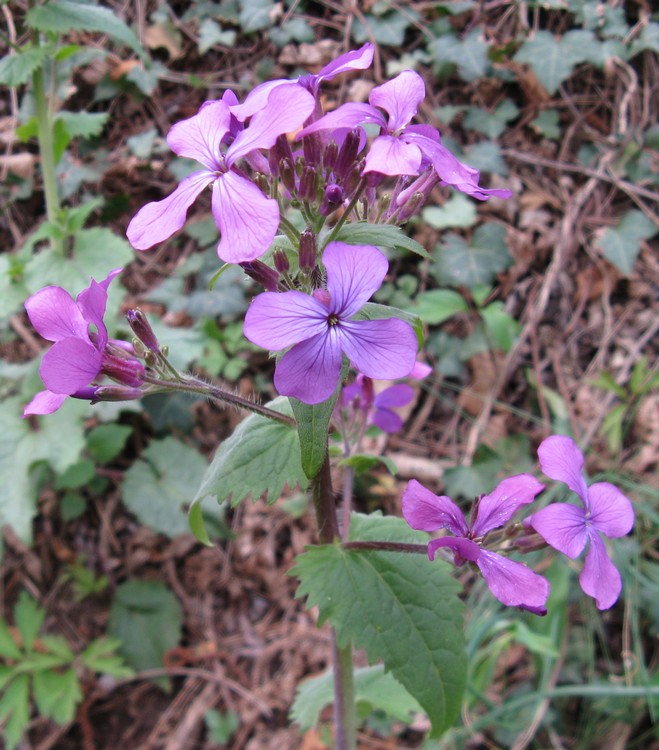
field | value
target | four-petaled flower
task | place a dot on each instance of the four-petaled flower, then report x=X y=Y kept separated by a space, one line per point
x=567 y=528
x=512 y=583
x=401 y=148
x=247 y=220
x=320 y=328
x=76 y=327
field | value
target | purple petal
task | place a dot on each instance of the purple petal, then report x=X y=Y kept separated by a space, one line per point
x=563 y=526
x=400 y=97
x=159 y=220
x=463 y=549
x=55 y=315
x=310 y=371
x=257 y=98
x=287 y=108
x=92 y=302
x=354 y=274
x=45 y=402
x=600 y=577
x=380 y=349
x=425 y=511
x=420 y=371
x=277 y=320
x=356 y=59
x=560 y=459
x=396 y=395
x=386 y=420
x=499 y=506
x=512 y=583
x=70 y=364
x=346 y=116
x=391 y=156
x=247 y=219
x=611 y=513
x=199 y=137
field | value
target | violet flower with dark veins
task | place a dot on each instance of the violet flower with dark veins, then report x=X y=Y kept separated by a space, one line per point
x=321 y=327
x=512 y=583
x=568 y=528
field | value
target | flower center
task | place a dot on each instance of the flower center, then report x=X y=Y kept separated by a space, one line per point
x=333 y=320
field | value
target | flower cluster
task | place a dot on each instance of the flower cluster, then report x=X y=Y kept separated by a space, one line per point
x=566 y=527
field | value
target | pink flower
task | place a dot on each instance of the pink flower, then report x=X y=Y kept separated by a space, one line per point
x=512 y=583
x=321 y=327
x=568 y=528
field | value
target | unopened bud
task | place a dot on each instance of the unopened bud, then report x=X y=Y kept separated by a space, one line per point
x=345 y=161
x=307 y=250
x=411 y=207
x=141 y=327
x=117 y=393
x=330 y=155
x=287 y=174
x=261 y=182
x=124 y=370
x=307 y=189
x=332 y=199
x=281 y=261
x=267 y=277
x=311 y=145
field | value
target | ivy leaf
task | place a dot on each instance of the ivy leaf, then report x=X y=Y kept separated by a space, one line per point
x=63 y=16
x=393 y=605
x=458 y=263
x=373 y=687
x=438 y=305
x=501 y=327
x=211 y=33
x=17 y=69
x=491 y=124
x=458 y=211
x=363 y=462
x=146 y=618
x=547 y=59
x=388 y=30
x=256 y=15
x=261 y=456
x=469 y=54
x=381 y=235
x=621 y=245
x=156 y=487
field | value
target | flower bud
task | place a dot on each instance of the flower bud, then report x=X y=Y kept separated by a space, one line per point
x=307 y=250
x=345 y=160
x=332 y=199
x=117 y=393
x=330 y=155
x=287 y=174
x=307 y=189
x=262 y=274
x=124 y=370
x=141 y=327
x=311 y=145
x=281 y=261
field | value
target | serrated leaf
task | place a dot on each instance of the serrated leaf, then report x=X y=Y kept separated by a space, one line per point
x=100 y=656
x=158 y=486
x=57 y=694
x=438 y=305
x=621 y=245
x=62 y=16
x=82 y=124
x=29 y=617
x=460 y=264
x=17 y=69
x=15 y=710
x=396 y=606
x=372 y=686
x=146 y=618
x=261 y=456
x=547 y=59
x=380 y=235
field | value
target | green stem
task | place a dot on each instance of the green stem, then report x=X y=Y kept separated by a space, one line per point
x=46 y=149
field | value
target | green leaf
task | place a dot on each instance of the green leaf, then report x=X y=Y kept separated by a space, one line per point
x=547 y=124
x=460 y=264
x=621 y=245
x=474 y=480
x=547 y=59
x=458 y=211
x=256 y=15
x=380 y=235
x=363 y=462
x=63 y=16
x=612 y=427
x=438 y=305
x=146 y=77
x=17 y=69
x=374 y=311
x=221 y=725
x=82 y=124
x=15 y=710
x=388 y=30
x=491 y=124
x=469 y=54
x=158 y=486
x=606 y=381
x=58 y=646
x=211 y=33
x=146 y=618
x=374 y=687
x=261 y=456
x=396 y=606
x=501 y=327
x=57 y=694
x=312 y=428
x=100 y=656
x=8 y=647
x=106 y=441
x=29 y=617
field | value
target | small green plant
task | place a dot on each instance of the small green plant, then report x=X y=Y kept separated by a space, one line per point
x=42 y=668
x=83 y=579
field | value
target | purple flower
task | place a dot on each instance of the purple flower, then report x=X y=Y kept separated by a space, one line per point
x=512 y=583
x=80 y=338
x=247 y=220
x=358 y=59
x=567 y=528
x=320 y=327
x=401 y=148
